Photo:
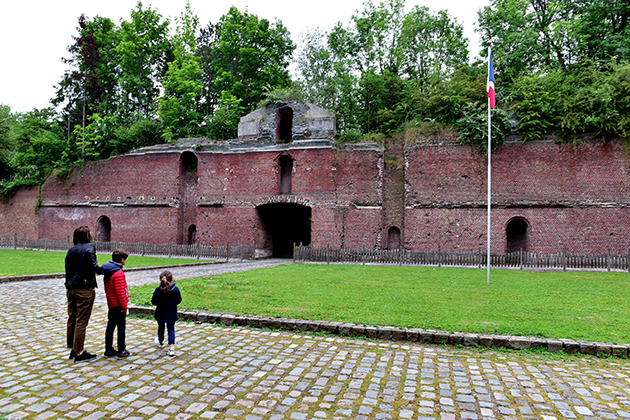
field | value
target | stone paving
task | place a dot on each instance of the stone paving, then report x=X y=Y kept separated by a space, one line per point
x=238 y=373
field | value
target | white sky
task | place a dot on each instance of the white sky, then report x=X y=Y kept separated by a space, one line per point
x=34 y=34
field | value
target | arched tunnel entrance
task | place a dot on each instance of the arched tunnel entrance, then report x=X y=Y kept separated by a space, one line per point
x=280 y=225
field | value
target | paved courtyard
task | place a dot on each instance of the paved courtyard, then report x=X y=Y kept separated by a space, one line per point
x=237 y=373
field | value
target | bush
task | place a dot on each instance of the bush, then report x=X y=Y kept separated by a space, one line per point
x=473 y=126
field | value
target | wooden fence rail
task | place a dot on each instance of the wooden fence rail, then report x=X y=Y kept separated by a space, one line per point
x=521 y=259
x=138 y=248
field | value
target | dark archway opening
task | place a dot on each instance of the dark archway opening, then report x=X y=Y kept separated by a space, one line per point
x=192 y=235
x=393 y=238
x=284 y=125
x=516 y=235
x=103 y=229
x=188 y=180
x=280 y=225
x=286 y=170
x=188 y=162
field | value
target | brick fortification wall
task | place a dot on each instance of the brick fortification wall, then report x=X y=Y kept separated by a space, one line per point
x=574 y=198
x=18 y=214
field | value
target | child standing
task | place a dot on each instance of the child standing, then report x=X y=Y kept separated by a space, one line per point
x=166 y=297
x=117 y=300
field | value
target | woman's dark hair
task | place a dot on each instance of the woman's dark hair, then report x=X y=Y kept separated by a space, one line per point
x=166 y=278
x=82 y=235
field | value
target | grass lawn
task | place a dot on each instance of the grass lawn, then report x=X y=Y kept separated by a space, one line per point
x=578 y=305
x=23 y=262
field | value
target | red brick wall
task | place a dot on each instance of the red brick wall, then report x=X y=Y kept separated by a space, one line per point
x=18 y=214
x=572 y=197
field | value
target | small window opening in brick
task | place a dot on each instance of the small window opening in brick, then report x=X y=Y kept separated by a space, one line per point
x=188 y=161
x=104 y=229
x=516 y=235
x=192 y=235
x=284 y=125
x=393 y=238
x=286 y=170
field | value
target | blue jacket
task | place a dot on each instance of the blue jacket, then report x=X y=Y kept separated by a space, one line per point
x=166 y=303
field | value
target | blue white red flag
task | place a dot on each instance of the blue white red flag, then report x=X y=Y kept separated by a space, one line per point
x=491 y=83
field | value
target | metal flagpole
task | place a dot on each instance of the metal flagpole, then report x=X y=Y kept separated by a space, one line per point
x=490 y=69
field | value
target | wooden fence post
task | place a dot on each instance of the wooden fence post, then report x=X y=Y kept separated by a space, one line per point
x=294 y=252
x=198 y=251
x=169 y=249
x=227 y=252
x=328 y=254
x=143 y=249
x=439 y=256
x=608 y=262
x=564 y=260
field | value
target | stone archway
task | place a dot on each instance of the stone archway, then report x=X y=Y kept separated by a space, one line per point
x=516 y=235
x=279 y=226
x=103 y=229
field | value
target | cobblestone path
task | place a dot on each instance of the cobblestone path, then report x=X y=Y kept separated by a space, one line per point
x=236 y=373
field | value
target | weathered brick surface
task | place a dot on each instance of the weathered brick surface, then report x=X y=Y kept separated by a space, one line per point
x=573 y=198
x=18 y=214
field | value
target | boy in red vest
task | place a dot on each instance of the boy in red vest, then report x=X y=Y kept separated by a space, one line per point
x=117 y=301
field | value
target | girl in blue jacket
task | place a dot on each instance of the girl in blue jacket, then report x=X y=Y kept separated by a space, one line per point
x=166 y=297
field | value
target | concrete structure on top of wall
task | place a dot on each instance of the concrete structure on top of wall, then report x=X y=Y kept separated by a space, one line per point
x=284 y=180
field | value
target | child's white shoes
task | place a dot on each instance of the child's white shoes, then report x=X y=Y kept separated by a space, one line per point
x=171 y=352
x=157 y=343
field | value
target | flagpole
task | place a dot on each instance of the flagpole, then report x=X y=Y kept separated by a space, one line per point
x=490 y=69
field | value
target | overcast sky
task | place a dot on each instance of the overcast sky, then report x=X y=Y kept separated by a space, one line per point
x=34 y=34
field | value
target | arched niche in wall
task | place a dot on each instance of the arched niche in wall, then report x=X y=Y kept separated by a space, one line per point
x=286 y=171
x=103 y=229
x=188 y=162
x=192 y=235
x=284 y=125
x=516 y=235
x=393 y=238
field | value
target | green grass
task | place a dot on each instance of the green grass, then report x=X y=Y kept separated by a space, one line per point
x=578 y=305
x=24 y=262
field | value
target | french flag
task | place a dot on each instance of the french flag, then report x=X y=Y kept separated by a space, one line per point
x=491 y=83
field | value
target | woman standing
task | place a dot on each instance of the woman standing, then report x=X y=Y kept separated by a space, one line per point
x=81 y=270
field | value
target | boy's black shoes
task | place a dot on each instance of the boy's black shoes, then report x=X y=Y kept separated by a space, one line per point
x=110 y=353
x=123 y=353
x=84 y=357
x=72 y=355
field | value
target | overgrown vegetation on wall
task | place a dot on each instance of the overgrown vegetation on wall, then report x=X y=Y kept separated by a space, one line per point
x=561 y=68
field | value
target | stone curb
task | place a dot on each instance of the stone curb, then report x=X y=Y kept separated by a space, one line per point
x=12 y=279
x=414 y=335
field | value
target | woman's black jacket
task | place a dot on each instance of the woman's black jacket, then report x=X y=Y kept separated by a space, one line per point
x=82 y=267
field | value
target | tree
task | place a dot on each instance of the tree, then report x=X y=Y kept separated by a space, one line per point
x=369 y=72
x=89 y=85
x=249 y=55
x=433 y=45
x=6 y=142
x=145 y=49
x=183 y=87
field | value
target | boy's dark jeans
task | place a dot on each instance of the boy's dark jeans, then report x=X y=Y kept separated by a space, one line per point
x=116 y=319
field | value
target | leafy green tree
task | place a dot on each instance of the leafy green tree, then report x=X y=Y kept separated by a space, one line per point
x=6 y=142
x=372 y=72
x=89 y=84
x=204 y=51
x=40 y=147
x=432 y=45
x=145 y=49
x=183 y=87
x=604 y=29
x=223 y=124
x=250 y=54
